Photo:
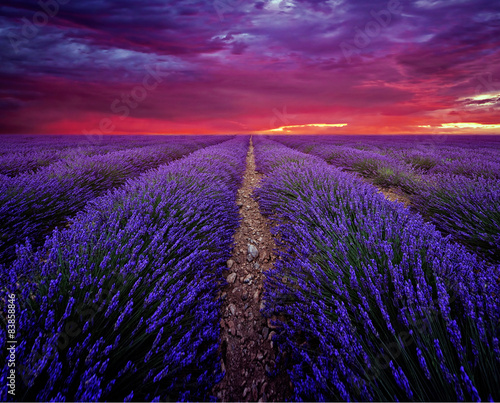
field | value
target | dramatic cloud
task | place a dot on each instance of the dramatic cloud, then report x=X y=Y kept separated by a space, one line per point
x=234 y=66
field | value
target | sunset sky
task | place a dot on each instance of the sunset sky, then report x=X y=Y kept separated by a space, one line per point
x=231 y=66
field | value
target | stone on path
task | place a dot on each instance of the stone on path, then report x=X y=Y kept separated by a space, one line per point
x=232 y=328
x=248 y=279
x=231 y=278
x=253 y=252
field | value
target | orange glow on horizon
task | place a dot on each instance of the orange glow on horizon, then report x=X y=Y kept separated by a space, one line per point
x=290 y=128
x=90 y=125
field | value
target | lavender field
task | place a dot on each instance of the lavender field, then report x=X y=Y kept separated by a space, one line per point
x=382 y=282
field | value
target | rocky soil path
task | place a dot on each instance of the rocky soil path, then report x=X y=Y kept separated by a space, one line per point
x=248 y=353
x=393 y=195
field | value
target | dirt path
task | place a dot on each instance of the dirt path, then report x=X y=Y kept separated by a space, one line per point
x=393 y=195
x=247 y=350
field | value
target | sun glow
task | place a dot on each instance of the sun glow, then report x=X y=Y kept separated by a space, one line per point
x=469 y=125
x=291 y=127
x=459 y=126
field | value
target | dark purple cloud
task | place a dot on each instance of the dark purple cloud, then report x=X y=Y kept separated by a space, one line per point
x=227 y=64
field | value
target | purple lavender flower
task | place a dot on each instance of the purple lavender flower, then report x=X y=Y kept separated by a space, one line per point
x=343 y=246
x=158 y=244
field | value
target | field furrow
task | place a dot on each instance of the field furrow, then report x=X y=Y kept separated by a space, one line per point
x=246 y=335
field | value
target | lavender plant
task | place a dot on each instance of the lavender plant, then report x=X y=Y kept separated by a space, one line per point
x=122 y=305
x=32 y=204
x=374 y=303
x=21 y=153
x=455 y=187
x=383 y=170
x=469 y=209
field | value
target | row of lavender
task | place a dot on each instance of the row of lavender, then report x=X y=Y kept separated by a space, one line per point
x=29 y=153
x=374 y=303
x=391 y=161
x=463 y=155
x=123 y=304
x=459 y=194
x=32 y=204
x=28 y=143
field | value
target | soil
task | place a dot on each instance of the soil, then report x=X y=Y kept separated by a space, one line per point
x=248 y=352
x=392 y=195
